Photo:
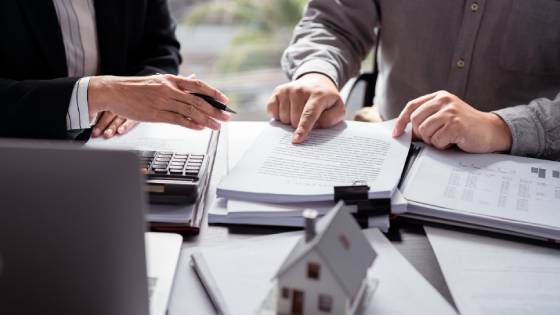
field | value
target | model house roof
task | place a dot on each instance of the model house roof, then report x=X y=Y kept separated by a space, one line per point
x=343 y=247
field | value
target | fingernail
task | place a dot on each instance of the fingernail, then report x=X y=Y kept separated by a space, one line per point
x=192 y=76
x=96 y=132
x=108 y=132
x=121 y=129
x=297 y=138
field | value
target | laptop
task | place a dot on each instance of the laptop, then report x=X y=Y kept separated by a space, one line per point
x=72 y=234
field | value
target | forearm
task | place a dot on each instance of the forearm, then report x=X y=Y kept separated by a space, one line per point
x=535 y=128
x=332 y=38
x=35 y=108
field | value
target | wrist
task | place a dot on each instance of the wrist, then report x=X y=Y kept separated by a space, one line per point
x=317 y=76
x=98 y=91
x=501 y=134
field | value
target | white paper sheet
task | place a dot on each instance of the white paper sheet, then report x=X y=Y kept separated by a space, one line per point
x=157 y=136
x=501 y=186
x=243 y=274
x=497 y=277
x=242 y=208
x=274 y=170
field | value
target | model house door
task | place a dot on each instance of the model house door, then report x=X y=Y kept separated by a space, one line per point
x=297 y=302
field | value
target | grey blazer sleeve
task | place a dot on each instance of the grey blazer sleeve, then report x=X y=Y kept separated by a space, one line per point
x=332 y=38
x=535 y=128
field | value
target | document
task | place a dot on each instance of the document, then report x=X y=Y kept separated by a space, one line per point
x=493 y=185
x=275 y=170
x=497 y=277
x=241 y=274
x=157 y=137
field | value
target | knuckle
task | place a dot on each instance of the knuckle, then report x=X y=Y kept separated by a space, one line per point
x=452 y=109
x=422 y=129
x=414 y=118
x=197 y=83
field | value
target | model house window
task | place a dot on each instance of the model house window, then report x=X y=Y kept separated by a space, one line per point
x=325 y=303
x=313 y=270
x=285 y=293
x=344 y=241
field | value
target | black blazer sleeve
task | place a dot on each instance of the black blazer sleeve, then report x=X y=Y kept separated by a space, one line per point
x=35 y=108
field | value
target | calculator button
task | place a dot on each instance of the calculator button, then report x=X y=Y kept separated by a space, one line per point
x=176 y=171
x=181 y=156
x=160 y=170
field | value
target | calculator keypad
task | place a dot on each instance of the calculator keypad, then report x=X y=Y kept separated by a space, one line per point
x=170 y=164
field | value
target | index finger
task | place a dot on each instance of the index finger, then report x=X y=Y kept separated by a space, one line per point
x=404 y=117
x=195 y=85
x=309 y=116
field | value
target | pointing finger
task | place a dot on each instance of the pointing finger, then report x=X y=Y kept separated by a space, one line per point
x=311 y=113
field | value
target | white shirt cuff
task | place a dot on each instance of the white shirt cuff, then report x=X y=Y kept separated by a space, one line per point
x=78 y=110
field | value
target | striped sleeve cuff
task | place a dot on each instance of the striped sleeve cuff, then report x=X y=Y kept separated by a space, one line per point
x=78 y=110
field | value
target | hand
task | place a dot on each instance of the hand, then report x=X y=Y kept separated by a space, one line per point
x=308 y=102
x=109 y=124
x=441 y=119
x=158 y=98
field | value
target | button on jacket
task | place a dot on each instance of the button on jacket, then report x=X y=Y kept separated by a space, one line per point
x=497 y=55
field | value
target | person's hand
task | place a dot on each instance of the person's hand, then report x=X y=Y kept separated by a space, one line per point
x=109 y=124
x=441 y=119
x=308 y=102
x=158 y=98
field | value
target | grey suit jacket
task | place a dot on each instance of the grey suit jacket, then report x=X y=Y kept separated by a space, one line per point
x=497 y=55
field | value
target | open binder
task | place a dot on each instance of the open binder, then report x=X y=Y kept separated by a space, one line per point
x=489 y=192
x=193 y=215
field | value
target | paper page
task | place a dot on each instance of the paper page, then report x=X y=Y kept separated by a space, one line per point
x=241 y=208
x=497 y=277
x=162 y=254
x=157 y=136
x=249 y=208
x=241 y=135
x=275 y=170
x=501 y=186
x=243 y=274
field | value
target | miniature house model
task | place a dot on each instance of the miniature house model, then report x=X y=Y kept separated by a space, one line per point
x=326 y=272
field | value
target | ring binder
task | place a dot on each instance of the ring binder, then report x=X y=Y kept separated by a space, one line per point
x=356 y=197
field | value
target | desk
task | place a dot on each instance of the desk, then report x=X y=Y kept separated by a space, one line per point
x=188 y=295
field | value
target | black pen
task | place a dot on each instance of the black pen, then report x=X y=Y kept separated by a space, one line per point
x=216 y=104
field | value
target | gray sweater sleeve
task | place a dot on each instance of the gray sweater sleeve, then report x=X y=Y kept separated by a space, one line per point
x=332 y=38
x=535 y=128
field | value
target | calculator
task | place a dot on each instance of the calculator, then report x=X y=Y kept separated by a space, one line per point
x=173 y=177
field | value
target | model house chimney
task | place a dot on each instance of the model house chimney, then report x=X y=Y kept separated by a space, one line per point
x=310 y=216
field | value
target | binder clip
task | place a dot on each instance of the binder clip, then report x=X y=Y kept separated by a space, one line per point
x=356 y=198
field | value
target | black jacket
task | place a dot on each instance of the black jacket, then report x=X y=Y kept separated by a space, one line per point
x=136 y=37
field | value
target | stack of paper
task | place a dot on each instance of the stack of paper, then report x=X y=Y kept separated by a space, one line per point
x=497 y=192
x=272 y=181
